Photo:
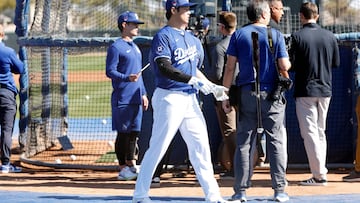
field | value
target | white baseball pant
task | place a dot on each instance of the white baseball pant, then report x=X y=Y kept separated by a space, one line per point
x=175 y=110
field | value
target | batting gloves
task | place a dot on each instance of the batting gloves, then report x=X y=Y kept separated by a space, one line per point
x=219 y=92
x=204 y=86
x=207 y=87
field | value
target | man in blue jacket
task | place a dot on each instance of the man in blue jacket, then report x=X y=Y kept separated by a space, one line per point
x=9 y=64
x=128 y=99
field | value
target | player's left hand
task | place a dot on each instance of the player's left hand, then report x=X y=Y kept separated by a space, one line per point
x=145 y=102
x=219 y=92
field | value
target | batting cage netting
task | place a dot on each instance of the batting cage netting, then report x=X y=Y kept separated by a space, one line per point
x=65 y=112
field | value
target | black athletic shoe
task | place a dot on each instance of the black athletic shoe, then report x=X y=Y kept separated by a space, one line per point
x=155 y=182
x=239 y=197
x=314 y=182
x=354 y=176
x=228 y=175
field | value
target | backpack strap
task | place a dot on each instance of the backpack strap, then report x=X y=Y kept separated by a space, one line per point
x=271 y=44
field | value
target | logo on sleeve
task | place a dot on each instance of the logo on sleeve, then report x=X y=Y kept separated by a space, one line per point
x=159 y=49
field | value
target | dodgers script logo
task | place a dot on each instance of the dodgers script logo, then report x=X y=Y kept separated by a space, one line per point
x=181 y=55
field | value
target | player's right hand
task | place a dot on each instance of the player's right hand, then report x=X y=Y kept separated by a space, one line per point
x=206 y=87
x=134 y=77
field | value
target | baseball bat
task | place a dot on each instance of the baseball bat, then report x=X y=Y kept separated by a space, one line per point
x=145 y=67
x=256 y=62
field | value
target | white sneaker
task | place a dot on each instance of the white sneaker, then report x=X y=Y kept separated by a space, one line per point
x=134 y=169
x=119 y=177
x=224 y=201
x=10 y=168
x=142 y=200
x=127 y=174
x=281 y=197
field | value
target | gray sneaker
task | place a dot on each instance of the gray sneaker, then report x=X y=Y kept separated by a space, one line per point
x=281 y=197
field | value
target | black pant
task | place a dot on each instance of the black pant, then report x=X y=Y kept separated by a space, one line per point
x=7 y=118
x=125 y=147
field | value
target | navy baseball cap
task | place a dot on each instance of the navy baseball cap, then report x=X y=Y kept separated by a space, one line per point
x=205 y=23
x=178 y=3
x=129 y=17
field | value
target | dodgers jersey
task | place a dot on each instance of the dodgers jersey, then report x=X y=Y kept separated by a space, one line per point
x=124 y=58
x=241 y=47
x=183 y=49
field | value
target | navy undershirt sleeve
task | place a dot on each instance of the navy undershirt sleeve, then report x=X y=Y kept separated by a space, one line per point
x=169 y=71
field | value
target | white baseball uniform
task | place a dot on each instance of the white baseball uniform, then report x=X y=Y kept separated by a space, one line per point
x=175 y=108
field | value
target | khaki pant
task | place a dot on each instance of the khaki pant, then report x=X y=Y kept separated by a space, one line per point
x=357 y=156
x=227 y=123
x=311 y=113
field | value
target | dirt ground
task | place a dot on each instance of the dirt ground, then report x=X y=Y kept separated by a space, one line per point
x=48 y=180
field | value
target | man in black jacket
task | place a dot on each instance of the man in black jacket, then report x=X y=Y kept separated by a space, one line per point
x=314 y=51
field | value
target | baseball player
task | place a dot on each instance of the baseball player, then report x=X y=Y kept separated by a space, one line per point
x=128 y=99
x=177 y=55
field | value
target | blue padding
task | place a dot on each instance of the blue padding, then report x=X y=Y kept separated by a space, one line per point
x=74 y=42
x=351 y=36
x=340 y=127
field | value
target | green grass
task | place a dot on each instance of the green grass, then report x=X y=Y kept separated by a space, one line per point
x=85 y=99
x=79 y=62
x=108 y=157
x=90 y=99
x=86 y=63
